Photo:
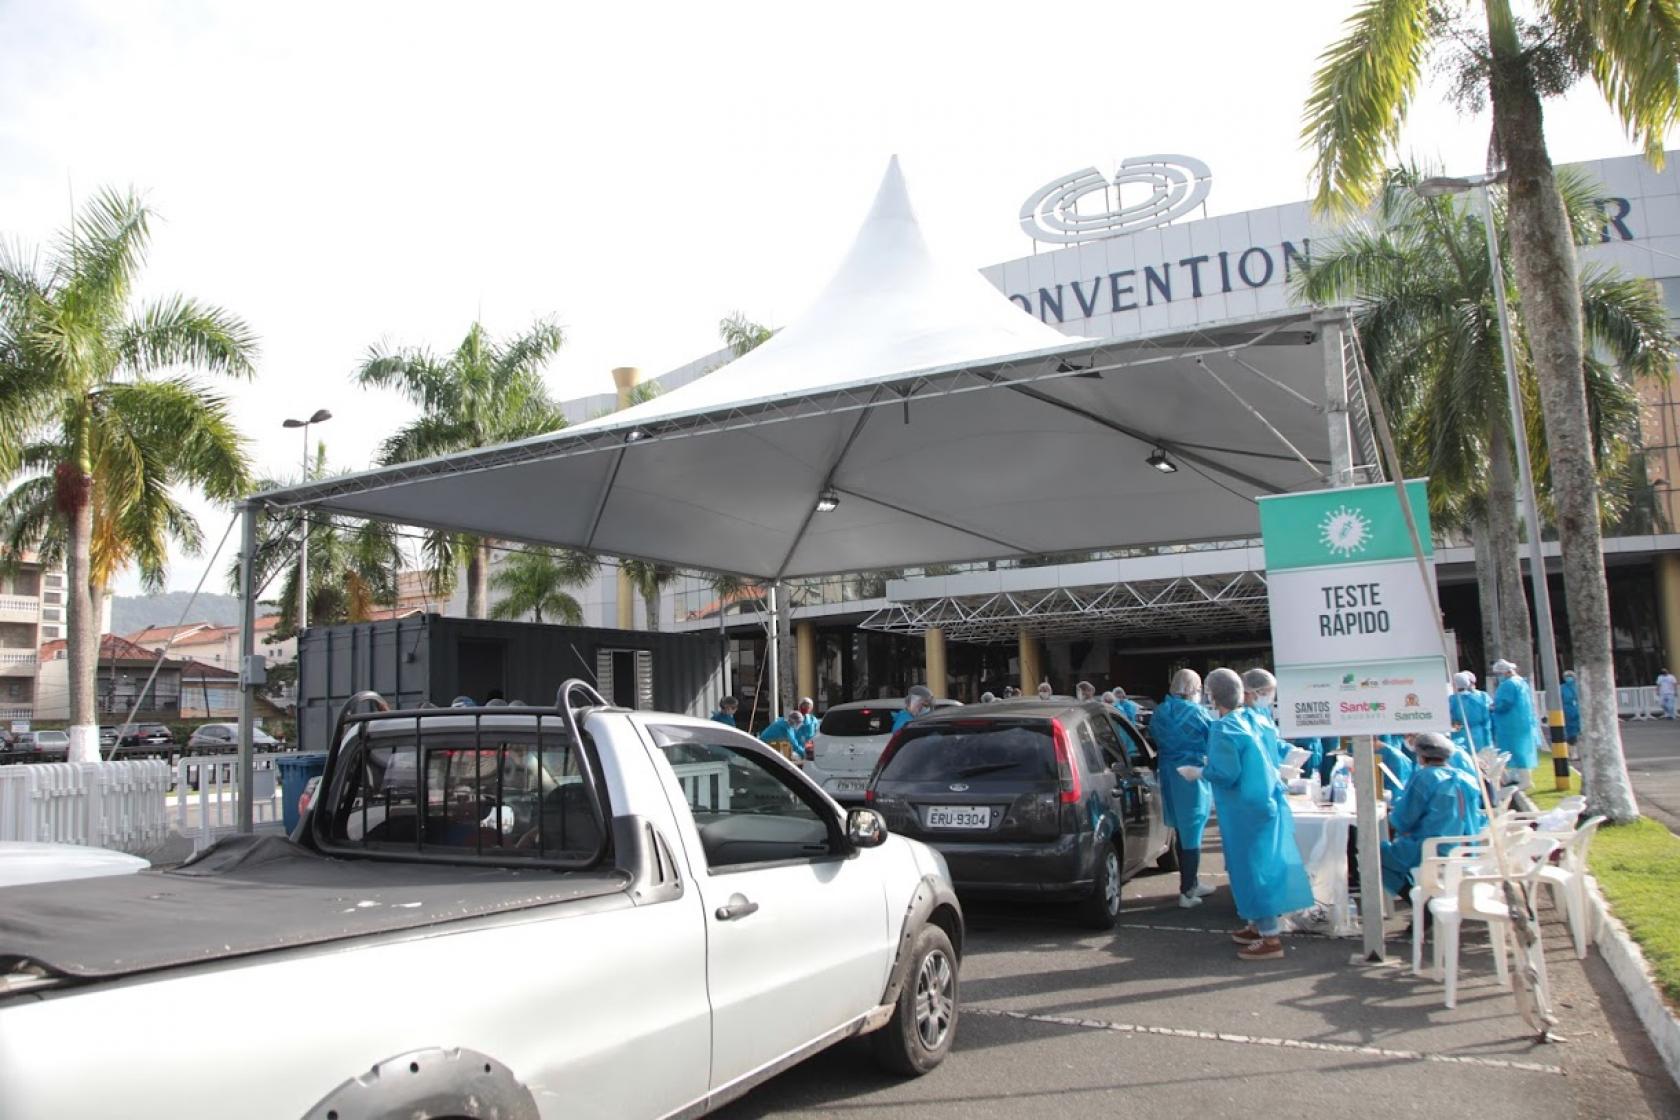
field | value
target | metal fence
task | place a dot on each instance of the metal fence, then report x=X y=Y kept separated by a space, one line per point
x=207 y=795
x=121 y=805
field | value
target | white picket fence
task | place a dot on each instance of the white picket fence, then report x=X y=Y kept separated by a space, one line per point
x=1631 y=703
x=207 y=795
x=121 y=805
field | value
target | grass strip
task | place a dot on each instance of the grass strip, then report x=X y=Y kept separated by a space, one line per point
x=1638 y=867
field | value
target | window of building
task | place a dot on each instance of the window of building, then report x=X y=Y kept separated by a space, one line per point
x=52 y=596
x=53 y=614
x=54 y=579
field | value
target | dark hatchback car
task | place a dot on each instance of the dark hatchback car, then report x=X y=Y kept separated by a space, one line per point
x=1029 y=800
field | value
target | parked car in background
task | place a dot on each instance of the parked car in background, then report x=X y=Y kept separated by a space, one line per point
x=107 y=737
x=41 y=746
x=1028 y=800
x=223 y=738
x=147 y=739
x=849 y=742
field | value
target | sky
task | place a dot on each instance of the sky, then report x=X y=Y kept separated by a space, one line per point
x=342 y=175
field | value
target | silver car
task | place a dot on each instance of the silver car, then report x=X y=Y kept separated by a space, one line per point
x=848 y=743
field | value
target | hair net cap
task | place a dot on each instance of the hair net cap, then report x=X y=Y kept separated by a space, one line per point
x=1434 y=746
x=1256 y=680
x=1504 y=666
x=1225 y=688
x=921 y=690
x=1464 y=681
x=1186 y=683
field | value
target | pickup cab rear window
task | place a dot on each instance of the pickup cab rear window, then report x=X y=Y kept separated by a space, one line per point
x=497 y=793
x=975 y=752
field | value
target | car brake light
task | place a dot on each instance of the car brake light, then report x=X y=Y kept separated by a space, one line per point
x=1066 y=772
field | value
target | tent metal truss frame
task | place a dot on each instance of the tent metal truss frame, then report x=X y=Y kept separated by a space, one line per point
x=1177 y=606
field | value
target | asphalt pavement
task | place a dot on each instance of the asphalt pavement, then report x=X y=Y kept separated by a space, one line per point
x=1161 y=1019
x=1652 y=750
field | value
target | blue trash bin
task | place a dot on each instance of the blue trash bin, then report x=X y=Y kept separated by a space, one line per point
x=295 y=772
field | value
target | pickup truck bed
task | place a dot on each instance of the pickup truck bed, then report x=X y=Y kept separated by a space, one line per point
x=253 y=894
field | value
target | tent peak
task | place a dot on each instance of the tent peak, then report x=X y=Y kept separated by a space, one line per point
x=892 y=198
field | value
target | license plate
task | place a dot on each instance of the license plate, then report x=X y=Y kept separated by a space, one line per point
x=958 y=816
x=850 y=785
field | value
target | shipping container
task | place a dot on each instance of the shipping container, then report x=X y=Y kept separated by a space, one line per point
x=433 y=659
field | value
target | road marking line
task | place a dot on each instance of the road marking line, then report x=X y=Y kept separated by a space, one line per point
x=1250 y=1040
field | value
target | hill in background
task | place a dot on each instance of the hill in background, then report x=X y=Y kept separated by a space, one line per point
x=136 y=612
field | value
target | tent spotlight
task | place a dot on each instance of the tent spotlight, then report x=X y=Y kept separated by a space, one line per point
x=635 y=435
x=829 y=500
x=1158 y=459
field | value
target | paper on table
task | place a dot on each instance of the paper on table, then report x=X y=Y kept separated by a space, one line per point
x=1296 y=756
x=1190 y=773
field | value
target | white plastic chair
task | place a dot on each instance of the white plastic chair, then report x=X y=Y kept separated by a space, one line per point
x=1567 y=879
x=1481 y=898
x=1446 y=860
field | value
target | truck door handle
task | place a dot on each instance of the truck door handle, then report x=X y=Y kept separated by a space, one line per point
x=738 y=907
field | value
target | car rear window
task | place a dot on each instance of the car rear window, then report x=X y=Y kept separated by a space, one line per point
x=858 y=721
x=975 y=753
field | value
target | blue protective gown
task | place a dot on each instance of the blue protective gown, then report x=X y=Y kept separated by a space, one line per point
x=1438 y=801
x=1472 y=716
x=1128 y=708
x=795 y=728
x=723 y=717
x=1515 y=726
x=1261 y=720
x=1180 y=731
x=1571 y=697
x=1261 y=856
x=901 y=717
x=1393 y=756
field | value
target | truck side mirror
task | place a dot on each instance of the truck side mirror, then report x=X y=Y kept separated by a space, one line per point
x=865 y=828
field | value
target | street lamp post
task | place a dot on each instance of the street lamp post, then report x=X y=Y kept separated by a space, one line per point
x=321 y=416
x=1550 y=681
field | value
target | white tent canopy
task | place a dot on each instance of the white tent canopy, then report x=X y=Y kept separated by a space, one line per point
x=950 y=425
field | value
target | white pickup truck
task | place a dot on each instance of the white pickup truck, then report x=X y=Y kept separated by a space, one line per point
x=576 y=911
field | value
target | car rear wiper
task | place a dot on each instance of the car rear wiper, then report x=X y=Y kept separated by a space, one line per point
x=984 y=768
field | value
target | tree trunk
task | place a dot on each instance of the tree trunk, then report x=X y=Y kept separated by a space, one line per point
x=1487 y=593
x=1516 y=642
x=75 y=488
x=1543 y=256
x=478 y=580
x=650 y=602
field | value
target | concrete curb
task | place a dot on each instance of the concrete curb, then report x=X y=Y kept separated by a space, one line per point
x=1627 y=963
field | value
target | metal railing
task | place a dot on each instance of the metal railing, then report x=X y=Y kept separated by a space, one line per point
x=120 y=805
x=207 y=795
x=19 y=605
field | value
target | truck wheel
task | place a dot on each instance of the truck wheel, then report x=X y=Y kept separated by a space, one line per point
x=919 y=1035
x=1102 y=909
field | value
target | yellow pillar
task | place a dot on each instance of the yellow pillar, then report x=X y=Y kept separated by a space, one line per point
x=938 y=677
x=1032 y=670
x=624 y=380
x=1668 y=606
x=805 y=641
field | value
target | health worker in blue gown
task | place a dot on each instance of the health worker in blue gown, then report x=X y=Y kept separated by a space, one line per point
x=1397 y=764
x=1472 y=713
x=1179 y=728
x=797 y=728
x=1516 y=726
x=725 y=714
x=918 y=701
x=1128 y=707
x=1259 y=693
x=1439 y=800
x=1570 y=696
x=1255 y=824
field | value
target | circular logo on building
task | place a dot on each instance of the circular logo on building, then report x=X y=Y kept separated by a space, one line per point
x=1146 y=191
x=1344 y=531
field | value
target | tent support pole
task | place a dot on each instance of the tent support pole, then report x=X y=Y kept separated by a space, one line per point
x=774 y=651
x=247 y=655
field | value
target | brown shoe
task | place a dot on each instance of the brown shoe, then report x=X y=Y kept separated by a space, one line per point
x=1247 y=935
x=1264 y=949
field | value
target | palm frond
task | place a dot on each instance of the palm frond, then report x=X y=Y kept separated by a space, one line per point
x=1632 y=50
x=1360 y=94
x=182 y=331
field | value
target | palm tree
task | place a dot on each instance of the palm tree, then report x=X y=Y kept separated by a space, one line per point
x=97 y=436
x=484 y=393
x=742 y=334
x=1353 y=116
x=649 y=579
x=534 y=582
x=1419 y=277
x=353 y=563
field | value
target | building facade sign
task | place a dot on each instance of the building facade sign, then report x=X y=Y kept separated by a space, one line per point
x=1354 y=638
x=1177 y=185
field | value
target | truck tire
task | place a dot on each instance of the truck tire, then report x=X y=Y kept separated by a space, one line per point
x=1101 y=909
x=919 y=1034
